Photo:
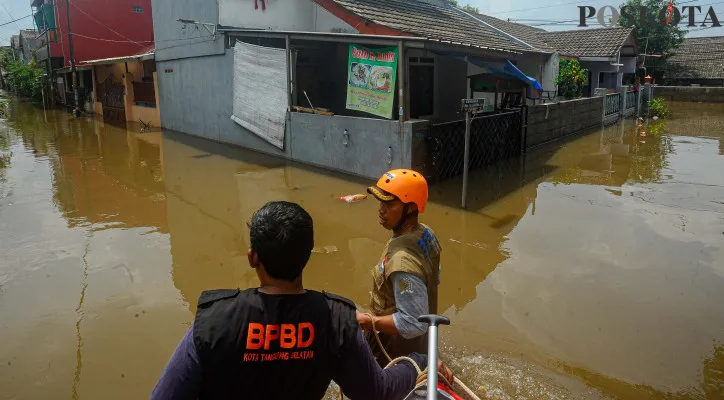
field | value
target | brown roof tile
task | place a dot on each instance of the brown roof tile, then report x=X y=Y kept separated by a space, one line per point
x=602 y=42
x=431 y=21
x=701 y=58
x=525 y=33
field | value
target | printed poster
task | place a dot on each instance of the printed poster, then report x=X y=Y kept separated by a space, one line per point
x=371 y=75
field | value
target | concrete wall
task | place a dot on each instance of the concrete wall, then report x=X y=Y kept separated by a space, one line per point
x=289 y=15
x=175 y=42
x=197 y=98
x=690 y=93
x=549 y=122
x=318 y=140
x=550 y=72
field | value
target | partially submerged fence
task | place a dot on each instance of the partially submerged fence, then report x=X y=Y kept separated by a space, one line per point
x=493 y=138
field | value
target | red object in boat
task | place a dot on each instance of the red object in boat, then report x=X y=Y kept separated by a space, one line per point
x=447 y=392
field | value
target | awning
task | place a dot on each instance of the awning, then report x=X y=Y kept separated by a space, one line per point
x=45 y=17
x=501 y=69
x=138 y=57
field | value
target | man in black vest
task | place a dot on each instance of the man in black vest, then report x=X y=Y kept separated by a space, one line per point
x=279 y=341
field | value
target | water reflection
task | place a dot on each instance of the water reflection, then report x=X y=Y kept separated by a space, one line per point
x=591 y=267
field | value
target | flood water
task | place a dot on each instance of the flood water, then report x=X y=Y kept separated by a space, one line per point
x=590 y=268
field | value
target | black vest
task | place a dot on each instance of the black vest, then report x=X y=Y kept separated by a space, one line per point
x=253 y=345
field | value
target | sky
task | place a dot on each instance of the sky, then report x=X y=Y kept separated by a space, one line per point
x=543 y=13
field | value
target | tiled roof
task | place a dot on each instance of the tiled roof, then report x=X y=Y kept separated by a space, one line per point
x=701 y=58
x=431 y=21
x=602 y=42
x=525 y=33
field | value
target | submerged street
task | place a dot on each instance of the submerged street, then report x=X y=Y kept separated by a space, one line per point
x=592 y=267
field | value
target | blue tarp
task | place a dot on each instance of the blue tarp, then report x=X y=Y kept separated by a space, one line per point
x=504 y=70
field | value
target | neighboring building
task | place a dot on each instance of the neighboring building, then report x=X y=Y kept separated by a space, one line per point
x=28 y=39
x=607 y=53
x=439 y=47
x=698 y=61
x=104 y=32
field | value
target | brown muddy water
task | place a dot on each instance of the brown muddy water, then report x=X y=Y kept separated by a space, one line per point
x=590 y=268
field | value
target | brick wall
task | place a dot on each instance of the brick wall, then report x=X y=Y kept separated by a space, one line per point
x=563 y=119
x=690 y=93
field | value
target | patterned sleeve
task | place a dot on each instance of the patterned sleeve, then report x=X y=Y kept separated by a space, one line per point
x=411 y=300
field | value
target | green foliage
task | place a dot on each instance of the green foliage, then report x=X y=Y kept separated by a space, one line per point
x=4 y=106
x=5 y=59
x=26 y=79
x=467 y=7
x=654 y=38
x=571 y=79
x=658 y=107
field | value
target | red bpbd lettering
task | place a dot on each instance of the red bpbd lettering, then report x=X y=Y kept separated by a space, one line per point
x=255 y=336
x=289 y=336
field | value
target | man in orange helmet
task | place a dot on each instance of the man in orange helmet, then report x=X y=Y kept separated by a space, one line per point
x=406 y=278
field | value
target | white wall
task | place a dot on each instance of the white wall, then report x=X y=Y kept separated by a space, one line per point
x=550 y=72
x=629 y=65
x=287 y=15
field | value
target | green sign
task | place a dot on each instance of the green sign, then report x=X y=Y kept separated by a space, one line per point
x=371 y=75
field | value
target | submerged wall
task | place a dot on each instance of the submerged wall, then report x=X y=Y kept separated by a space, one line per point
x=548 y=122
x=690 y=93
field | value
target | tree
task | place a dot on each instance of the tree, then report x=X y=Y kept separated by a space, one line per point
x=466 y=8
x=653 y=37
x=571 y=79
x=26 y=79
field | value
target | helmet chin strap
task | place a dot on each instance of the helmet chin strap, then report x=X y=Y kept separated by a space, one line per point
x=404 y=217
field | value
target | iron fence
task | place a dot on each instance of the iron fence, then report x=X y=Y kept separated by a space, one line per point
x=630 y=100
x=492 y=138
x=613 y=104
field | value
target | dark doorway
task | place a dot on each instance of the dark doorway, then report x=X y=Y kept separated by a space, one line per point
x=422 y=82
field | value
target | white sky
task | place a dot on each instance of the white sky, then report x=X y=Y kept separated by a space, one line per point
x=529 y=12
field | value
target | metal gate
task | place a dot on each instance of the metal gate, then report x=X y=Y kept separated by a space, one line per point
x=493 y=138
x=111 y=97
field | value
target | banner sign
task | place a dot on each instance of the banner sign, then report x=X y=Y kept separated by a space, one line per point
x=371 y=75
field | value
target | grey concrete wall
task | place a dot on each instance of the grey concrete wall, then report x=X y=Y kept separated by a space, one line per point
x=173 y=41
x=318 y=140
x=549 y=122
x=197 y=99
x=690 y=93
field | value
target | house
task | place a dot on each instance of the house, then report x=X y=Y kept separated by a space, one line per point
x=609 y=54
x=698 y=61
x=118 y=33
x=246 y=72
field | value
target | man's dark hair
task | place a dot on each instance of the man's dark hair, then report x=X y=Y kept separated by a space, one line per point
x=282 y=234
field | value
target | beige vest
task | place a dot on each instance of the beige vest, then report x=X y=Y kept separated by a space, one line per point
x=417 y=253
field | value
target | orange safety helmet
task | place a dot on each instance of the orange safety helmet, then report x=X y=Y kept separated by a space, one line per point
x=407 y=185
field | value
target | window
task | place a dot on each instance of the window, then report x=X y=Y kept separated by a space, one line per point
x=137 y=9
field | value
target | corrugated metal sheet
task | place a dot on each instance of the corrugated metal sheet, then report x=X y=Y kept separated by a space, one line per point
x=260 y=91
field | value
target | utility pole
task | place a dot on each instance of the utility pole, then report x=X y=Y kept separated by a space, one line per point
x=76 y=111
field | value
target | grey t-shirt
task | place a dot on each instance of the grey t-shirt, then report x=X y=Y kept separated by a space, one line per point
x=411 y=302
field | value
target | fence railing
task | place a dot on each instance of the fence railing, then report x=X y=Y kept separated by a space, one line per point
x=613 y=104
x=630 y=100
x=492 y=138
